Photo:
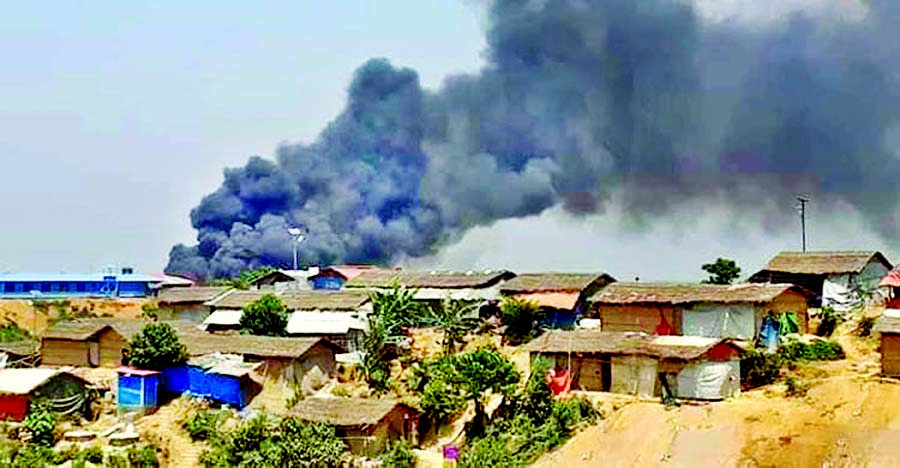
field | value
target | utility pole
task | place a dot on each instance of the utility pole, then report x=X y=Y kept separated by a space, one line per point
x=803 y=201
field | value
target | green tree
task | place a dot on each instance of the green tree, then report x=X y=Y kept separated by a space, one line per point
x=520 y=317
x=445 y=384
x=267 y=316
x=156 y=347
x=392 y=311
x=397 y=306
x=374 y=363
x=722 y=271
x=455 y=319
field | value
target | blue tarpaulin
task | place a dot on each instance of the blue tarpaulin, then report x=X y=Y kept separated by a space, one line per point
x=176 y=379
x=222 y=380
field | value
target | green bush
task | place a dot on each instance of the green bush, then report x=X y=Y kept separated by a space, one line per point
x=11 y=332
x=156 y=347
x=267 y=316
x=759 y=368
x=489 y=452
x=92 y=454
x=143 y=457
x=203 y=425
x=520 y=317
x=817 y=350
x=795 y=388
x=400 y=455
x=261 y=442
x=41 y=424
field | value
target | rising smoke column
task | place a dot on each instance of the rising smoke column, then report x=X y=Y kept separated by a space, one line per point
x=579 y=99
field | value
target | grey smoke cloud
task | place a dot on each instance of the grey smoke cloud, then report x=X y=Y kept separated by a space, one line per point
x=660 y=105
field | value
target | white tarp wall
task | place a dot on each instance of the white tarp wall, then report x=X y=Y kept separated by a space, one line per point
x=837 y=293
x=719 y=321
x=708 y=380
x=838 y=290
x=634 y=375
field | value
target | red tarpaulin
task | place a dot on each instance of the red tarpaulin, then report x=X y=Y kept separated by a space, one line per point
x=559 y=381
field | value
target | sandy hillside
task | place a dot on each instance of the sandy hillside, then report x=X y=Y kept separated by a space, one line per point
x=849 y=418
x=36 y=319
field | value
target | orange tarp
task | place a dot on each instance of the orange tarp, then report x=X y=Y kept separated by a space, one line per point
x=556 y=300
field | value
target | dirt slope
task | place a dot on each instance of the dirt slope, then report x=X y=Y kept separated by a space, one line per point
x=850 y=417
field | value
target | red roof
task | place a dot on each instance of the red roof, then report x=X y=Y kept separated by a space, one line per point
x=891 y=280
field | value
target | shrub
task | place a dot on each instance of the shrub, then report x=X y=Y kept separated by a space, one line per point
x=489 y=451
x=795 y=388
x=759 y=368
x=865 y=325
x=830 y=319
x=156 y=347
x=400 y=455
x=41 y=425
x=143 y=457
x=817 y=350
x=32 y=456
x=11 y=332
x=267 y=316
x=92 y=454
x=520 y=317
x=203 y=425
x=260 y=442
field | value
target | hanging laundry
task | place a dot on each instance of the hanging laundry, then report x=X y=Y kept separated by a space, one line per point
x=769 y=333
x=560 y=381
x=663 y=327
x=787 y=324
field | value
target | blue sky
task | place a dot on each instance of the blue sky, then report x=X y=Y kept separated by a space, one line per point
x=117 y=117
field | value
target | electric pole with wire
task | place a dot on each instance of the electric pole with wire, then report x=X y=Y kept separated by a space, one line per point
x=803 y=201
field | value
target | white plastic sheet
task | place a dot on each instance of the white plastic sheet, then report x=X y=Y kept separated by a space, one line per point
x=719 y=321
x=710 y=380
x=837 y=293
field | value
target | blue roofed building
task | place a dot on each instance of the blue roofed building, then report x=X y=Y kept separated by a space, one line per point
x=110 y=283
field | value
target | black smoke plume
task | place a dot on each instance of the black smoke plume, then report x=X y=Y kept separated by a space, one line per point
x=579 y=99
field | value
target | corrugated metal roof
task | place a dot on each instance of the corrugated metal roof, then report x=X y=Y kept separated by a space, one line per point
x=224 y=318
x=592 y=341
x=346 y=411
x=554 y=282
x=191 y=294
x=322 y=323
x=74 y=277
x=24 y=381
x=663 y=293
x=820 y=263
x=433 y=279
x=295 y=300
x=224 y=364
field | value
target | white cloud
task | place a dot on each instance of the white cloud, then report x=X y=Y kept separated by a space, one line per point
x=767 y=13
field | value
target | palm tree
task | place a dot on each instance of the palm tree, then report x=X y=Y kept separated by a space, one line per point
x=454 y=318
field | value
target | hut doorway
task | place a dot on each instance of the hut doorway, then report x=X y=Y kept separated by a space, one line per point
x=94 y=353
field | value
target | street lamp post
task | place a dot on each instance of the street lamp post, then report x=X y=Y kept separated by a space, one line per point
x=298 y=238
